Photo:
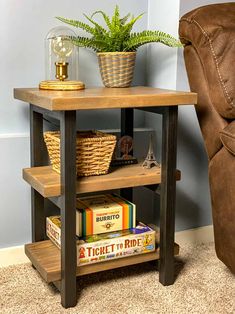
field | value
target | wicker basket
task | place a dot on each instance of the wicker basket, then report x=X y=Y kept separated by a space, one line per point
x=116 y=68
x=93 y=151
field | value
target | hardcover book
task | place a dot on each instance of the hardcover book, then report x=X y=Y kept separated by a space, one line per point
x=111 y=245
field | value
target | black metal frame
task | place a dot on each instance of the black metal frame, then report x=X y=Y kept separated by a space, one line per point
x=67 y=201
x=168 y=194
x=37 y=155
x=127 y=128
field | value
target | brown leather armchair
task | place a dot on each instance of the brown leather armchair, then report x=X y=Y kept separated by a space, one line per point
x=208 y=34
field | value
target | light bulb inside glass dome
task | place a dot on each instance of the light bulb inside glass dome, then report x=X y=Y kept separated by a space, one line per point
x=61 y=61
x=62 y=47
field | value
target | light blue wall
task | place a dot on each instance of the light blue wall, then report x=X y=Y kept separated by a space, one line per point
x=24 y=25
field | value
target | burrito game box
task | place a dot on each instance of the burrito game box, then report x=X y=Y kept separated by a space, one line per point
x=104 y=213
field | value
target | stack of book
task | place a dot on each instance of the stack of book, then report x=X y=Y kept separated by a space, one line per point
x=106 y=229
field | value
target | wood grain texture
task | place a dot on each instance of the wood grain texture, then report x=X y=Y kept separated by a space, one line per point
x=47 y=182
x=104 y=98
x=45 y=256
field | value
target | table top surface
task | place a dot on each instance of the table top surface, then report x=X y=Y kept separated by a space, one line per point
x=104 y=98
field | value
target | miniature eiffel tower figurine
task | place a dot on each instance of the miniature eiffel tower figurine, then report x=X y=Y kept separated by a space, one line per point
x=150 y=159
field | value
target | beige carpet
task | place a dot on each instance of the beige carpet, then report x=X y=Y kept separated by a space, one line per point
x=203 y=285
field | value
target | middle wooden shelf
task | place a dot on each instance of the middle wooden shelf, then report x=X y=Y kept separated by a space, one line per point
x=47 y=181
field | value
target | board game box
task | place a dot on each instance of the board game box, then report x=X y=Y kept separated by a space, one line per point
x=111 y=245
x=105 y=213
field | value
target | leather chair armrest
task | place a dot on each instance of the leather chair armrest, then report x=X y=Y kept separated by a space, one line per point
x=227 y=137
x=211 y=31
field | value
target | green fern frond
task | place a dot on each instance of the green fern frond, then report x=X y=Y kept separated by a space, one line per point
x=105 y=17
x=99 y=28
x=96 y=45
x=118 y=35
x=138 y=39
x=116 y=20
x=127 y=28
x=134 y=20
x=125 y=19
x=78 y=24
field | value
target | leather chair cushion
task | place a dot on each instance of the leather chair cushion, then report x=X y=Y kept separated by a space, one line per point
x=211 y=30
x=227 y=136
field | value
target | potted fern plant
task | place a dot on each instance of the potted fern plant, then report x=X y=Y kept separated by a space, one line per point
x=116 y=44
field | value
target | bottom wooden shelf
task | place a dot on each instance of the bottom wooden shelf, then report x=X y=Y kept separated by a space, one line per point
x=45 y=257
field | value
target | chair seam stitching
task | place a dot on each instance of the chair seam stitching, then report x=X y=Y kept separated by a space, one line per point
x=214 y=55
x=227 y=134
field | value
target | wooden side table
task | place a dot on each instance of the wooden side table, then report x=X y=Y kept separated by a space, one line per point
x=58 y=266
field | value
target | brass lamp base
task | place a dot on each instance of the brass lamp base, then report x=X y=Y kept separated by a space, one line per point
x=62 y=85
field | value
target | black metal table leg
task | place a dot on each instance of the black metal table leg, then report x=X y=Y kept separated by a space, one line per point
x=168 y=191
x=127 y=123
x=37 y=155
x=68 y=208
x=127 y=126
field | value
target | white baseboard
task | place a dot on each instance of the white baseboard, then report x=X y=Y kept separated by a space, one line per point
x=12 y=256
x=195 y=236
x=13 y=135
x=15 y=255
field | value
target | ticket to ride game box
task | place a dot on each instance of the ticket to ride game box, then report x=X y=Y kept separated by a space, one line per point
x=107 y=246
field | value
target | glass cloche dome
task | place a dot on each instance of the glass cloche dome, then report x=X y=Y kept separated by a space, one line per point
x=61 y=60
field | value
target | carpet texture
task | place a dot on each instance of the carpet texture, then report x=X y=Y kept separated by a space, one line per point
x=203 y=285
